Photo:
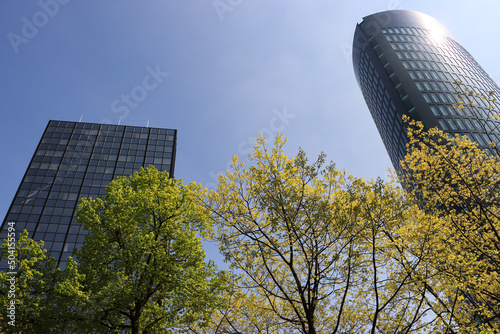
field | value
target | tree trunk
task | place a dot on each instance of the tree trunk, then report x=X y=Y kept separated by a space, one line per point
x=135 y=325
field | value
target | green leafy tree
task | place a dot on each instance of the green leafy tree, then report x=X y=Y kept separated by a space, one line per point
x=319 y=251
x=143 y=260
x=42 y=297
x=460 y=184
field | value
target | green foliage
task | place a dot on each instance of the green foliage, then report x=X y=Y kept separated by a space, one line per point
x=45 y=296
x=319 y=251
x=141 y=269
x=143 y=261
x=458 y=183
x=315 y=251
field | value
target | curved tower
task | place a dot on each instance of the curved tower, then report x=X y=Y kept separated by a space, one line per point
x=406 y=63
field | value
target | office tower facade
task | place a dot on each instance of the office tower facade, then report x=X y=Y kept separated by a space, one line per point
x=406 y=63
x=75 y=160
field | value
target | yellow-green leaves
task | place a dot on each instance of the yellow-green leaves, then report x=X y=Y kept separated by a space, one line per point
x=44 y=295
x=460 y=184
x=319 y=251
x=144 y=263
x=467 y=96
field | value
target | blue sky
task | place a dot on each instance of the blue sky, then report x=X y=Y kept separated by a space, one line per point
x=225 y=71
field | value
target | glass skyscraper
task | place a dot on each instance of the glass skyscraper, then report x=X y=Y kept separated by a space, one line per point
x=406 y=63
x=75 y=160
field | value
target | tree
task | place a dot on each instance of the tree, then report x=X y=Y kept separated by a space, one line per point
x=319 y=251
x=141 y=268
x=480 y=107
x=142 y=259
x=244 y=313
x=460 y=184
x=41 y=296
